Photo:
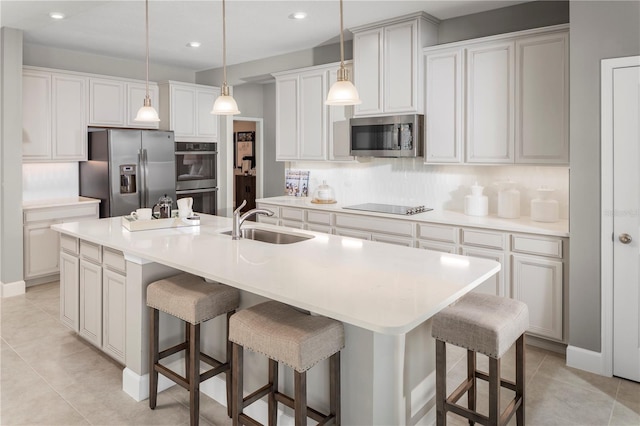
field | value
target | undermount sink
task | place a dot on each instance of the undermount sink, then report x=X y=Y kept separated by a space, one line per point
x=270 y=237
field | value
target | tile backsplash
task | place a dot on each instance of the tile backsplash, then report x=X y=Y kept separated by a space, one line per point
x=45 y=181
x=408 y=181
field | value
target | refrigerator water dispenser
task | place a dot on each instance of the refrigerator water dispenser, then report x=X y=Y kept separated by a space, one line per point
x=127 y=178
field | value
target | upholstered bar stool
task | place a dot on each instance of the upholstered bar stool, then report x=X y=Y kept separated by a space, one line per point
x=296 y=339
x=488 y=325
x=194 y=301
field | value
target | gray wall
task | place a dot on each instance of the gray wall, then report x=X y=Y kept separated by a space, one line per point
x=71 y=60
x=599 y=29
x=10 y=156
x=508 y=19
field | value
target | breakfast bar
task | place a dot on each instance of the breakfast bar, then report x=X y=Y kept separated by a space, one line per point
x=385 y=295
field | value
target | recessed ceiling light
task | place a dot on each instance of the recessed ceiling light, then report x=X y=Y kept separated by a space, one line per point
x=193 y=44
x=298 y=15
x=56 y=15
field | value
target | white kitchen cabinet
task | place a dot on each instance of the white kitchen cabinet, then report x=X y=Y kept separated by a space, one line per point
x=54 y=117
x=91 y=302
x=538 y=282
x=496 y=284
x=444 y=105
x=287 y=118
x=339 y=137
x=69 y=289
x=542 y=99
x=113 y=311
x=387 y=64
x=186 y=109
x=115 y=102
x=490 y=102
x=41 y=244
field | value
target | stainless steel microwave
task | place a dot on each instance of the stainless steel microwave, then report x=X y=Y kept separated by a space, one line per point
x=390 y=136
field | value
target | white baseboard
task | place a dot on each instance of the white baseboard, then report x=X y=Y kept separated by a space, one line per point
x=12 y=289
x=586 y=360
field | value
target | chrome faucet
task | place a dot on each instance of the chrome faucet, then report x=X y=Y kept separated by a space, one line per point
x=238 y=220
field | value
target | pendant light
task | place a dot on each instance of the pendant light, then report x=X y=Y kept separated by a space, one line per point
x=147 y=113
x=225 y=104
x=342 y=92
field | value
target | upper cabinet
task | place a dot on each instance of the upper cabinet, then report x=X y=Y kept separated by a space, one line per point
x=502 y=99
x=387 y=64
x=115 y=102
x=306 y=128
x=186 y=109
x=54 y=116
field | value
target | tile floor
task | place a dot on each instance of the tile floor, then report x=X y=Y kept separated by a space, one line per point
x=49 y=376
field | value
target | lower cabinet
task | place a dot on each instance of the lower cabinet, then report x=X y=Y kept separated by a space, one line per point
x=92 y=294
x=496 y=284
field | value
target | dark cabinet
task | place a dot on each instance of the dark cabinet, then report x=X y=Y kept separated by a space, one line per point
x=246 y=190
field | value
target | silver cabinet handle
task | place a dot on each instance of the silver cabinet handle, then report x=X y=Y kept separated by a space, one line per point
x=625 y=238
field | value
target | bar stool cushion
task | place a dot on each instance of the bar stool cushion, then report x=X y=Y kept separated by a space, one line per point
x=191 y=299
x=287 y=335
x=482 y=323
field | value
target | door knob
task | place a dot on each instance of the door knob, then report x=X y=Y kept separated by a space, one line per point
x=625 y=238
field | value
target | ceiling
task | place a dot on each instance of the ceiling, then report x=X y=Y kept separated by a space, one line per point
x=255 y=29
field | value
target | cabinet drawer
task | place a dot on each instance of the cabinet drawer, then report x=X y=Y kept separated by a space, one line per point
x=69 y=244
x=292 y=214
x=61 y=213
x=448 y=234
x=321 y=218
x=318 y=228
x=483 y=239
x=274 y=209
x=292 y=224
x=363 y=235
x=91 y=251
x=387 y=226
x=435 y=246
x=114 y=260
x=270 y=220
x=537 y=245
x=399 y=241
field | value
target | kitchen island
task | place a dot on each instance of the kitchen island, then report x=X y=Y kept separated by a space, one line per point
x=384 y=294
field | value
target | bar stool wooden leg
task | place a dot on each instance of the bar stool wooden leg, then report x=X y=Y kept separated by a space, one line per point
x=441 y=382
x=153 y=356
x=236 y=378
x=194 y=373
x=471 y=375
x=272 y=401
x=229 y=373
x=300 y=392
x=334 y=387
x=187 y=339
x=494 y=391
x=520 y=379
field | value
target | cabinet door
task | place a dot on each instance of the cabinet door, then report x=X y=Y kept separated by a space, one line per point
x=400 y=68
x=313 y=116
x=41 y=250
x=91 y=302
x=69 y=120
x=113 y=320
x=339 y=138
x=183 y=111
x=367 y=70
x=287 y=118
x=443 y=106
x=496 y=284
x=36 y=116
x=136 y=92
x=542 y=99
x=207 y=123
x=490 y=103
x=69 y=291
x=107 y=103
x=538 y=283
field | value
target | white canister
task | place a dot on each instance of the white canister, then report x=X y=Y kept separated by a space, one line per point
x=476 y=204
x=508 y=201
x=543 y=208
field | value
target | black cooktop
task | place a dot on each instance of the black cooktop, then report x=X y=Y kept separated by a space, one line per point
x=388 y=208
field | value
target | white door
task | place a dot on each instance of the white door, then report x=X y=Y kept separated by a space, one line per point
x=626 y=233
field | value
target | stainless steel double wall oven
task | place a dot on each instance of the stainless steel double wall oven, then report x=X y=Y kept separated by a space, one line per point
x=196 y=174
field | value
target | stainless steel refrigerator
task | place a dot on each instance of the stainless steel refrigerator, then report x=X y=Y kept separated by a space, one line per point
x=128 y=169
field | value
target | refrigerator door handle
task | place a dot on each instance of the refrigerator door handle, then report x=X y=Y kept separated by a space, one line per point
x=145 y=173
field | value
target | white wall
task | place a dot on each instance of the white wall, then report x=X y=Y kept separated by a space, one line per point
x=410 y=182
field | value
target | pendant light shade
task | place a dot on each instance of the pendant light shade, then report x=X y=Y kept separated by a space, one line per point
x=147 y=113
x=225 y=104
x=342 y=92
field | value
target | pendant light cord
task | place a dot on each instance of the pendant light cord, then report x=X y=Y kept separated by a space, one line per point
x=146 y=22
x=341 y=39
x=225 y=90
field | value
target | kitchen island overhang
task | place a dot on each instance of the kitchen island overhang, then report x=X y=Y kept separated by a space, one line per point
x=384 y=294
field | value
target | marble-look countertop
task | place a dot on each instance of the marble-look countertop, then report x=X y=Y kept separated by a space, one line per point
x=379 y=287
x=58 y=202
x=446 y=217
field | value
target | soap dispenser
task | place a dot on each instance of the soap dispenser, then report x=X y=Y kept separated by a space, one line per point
x=476 y=204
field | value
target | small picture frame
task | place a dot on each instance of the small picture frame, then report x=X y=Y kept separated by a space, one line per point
x=244 y=147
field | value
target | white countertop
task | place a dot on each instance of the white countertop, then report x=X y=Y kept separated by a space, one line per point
x=523 y=224
x=58 y=202
x=380 y=287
